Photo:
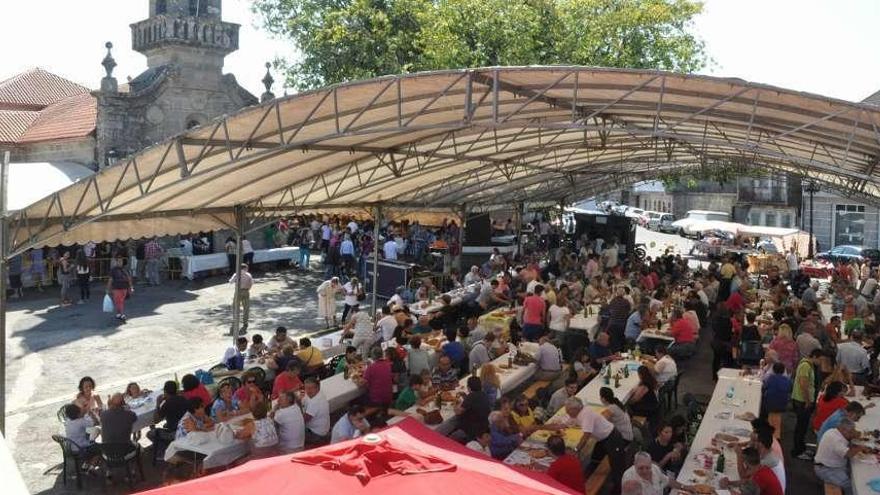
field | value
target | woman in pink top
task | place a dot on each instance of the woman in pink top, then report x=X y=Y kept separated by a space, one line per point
x=786 y=348
x=534 y=312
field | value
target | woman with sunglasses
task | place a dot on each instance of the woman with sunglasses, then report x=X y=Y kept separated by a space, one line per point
x=249 y=394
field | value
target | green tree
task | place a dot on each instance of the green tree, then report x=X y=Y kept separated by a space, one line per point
x=343 y=40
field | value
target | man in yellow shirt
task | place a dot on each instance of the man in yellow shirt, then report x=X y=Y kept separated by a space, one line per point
x=310 y=356
x=803 y=396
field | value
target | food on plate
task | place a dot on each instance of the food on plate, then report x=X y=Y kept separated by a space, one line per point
x=538 y=453
x=699 y=472
x=713 y=450
x=447 y=396
x=433 y=342
x=703 y=489
x=746 y=416
x=725 y=437
x=504 y=366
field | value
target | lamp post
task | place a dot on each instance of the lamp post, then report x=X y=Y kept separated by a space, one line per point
x=811 y=188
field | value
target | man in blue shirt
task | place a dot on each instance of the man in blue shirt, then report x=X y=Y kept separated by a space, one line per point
x=600 y=350
x=346 y=250
x=776 y=390
x=351 y=425
x=233 y=357
x=854 y=411
x=634 y=326
x=454 y=349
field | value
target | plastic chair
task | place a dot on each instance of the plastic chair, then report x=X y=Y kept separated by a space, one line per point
x=123 y=456
x=70 y=450
x=218 y=368
x=62 y=417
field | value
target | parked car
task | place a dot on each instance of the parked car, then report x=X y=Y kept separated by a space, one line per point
x=659 y=221
x=685 y=226
x=850 y=253
x=638 y=214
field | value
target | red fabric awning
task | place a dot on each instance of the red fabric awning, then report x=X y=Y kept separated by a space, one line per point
x=410 y=459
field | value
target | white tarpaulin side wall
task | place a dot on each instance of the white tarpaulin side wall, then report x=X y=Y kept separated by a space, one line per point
x=30 y=182
x=488 y=138
x=10 y=478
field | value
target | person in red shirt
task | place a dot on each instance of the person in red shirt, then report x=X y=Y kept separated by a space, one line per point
x=684 y=333
x=761 y=476
x=735 y=301
x=566 y=469
x=287 y=381
x=379 y=379
x=534 y=311
x=192 y=387
x=828 y=403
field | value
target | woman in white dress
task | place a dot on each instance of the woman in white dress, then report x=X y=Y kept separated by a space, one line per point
x=327 y=300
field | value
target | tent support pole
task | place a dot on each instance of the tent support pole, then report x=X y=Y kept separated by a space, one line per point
x=4 y=253
x=460 y=262
x=519 y=221
x=236 y=299
x=377 y=218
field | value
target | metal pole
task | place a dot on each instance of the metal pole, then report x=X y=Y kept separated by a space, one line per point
x=463 y=216
x=810 y=248
x=377 y=217
x=519 y=221
x=236 y=299
x=4 y=251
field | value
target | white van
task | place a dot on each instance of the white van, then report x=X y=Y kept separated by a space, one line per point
x=698 y=218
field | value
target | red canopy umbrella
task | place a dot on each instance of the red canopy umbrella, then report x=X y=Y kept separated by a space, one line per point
x=408 y=458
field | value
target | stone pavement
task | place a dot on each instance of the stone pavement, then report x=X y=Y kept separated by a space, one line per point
x=175 y=328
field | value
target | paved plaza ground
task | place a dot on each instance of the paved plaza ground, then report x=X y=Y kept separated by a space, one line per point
x=175 y=328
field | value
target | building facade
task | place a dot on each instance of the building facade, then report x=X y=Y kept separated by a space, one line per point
x=773 y=200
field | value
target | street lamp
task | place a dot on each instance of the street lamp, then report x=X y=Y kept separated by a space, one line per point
x=812 y=187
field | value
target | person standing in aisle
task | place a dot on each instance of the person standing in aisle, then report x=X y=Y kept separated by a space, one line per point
x=244 y=295
x=152 y=255
x=83 y=276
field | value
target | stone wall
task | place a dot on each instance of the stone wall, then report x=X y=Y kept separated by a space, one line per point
x=824 y=222
x=81 y=150
x=685 y=201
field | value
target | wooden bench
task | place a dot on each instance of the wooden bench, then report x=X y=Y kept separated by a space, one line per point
x=832 y=489
x=775 y=420
x=597 y=479
x=532 y=390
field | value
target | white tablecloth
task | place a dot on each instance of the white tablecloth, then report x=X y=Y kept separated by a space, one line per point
x=590 y=393
x=720 y=417
x=417 y=309
x=146 y=411
x=215 y=261
x=863 y=472
x=216 y=454
x=590 y=324
x=510 y=380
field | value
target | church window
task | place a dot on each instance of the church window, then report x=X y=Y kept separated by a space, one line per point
x=192 y=123
x=194 y=7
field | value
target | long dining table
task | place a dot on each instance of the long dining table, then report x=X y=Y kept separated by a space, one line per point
x=735 y=401
x=866 y=467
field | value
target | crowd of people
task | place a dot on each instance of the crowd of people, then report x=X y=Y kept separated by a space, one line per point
x=807 y=365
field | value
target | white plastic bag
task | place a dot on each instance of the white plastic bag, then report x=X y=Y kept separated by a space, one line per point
x=225 y=434
x=108 y=304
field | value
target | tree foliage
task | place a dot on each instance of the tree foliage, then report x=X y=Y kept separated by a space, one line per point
x=343 y=40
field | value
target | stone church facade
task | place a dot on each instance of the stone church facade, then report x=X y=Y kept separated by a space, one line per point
x=185 y=42
x=47 y=118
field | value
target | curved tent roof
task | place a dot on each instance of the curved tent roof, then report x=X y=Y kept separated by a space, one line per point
x=485 y=137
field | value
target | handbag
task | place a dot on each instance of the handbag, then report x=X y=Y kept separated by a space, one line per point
x=107 y=304
x=225 y=434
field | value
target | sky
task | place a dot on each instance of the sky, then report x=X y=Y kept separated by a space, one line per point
x=826 y=47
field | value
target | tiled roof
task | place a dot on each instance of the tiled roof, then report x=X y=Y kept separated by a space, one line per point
x=36 y=88
x=69 y=118
x=14 y=123
x=874 y=99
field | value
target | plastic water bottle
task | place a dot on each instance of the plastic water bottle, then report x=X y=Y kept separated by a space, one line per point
x=730 y=392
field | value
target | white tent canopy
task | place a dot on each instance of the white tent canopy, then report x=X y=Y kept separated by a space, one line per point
x=30 y=182
x=486 y=138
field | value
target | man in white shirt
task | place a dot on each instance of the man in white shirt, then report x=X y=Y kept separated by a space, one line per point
x=548 y=359
x=352 y=226
x=290 y=422
x=665 y=368
x=316 y=411
x=594 y=425
x=387 y=324
x=473 y=276
x=792 y=260
x=853 y=356
x=649 y=476
x=833 y=453
x=558 y=398
x=389 y=249
x=244 y=294
x=481 y=351
x=481 y=443
x=610 y=256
